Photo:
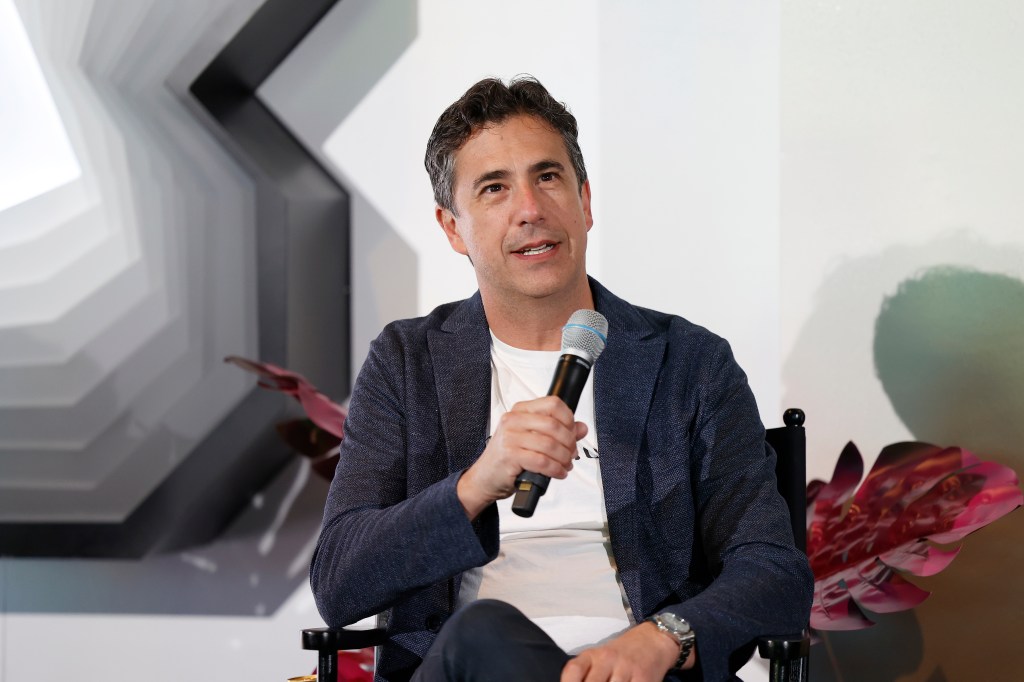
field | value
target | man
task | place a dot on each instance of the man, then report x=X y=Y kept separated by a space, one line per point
x=662 y=504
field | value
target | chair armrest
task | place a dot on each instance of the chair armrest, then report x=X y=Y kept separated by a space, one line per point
x=328 y=641
x=336 y=639
x=784 y=647
x=788 y=655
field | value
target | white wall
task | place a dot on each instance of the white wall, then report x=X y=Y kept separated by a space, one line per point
x=902 y=152
x=682 y=157
x=902 y=149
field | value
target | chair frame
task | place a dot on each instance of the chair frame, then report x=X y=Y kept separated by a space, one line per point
x=788 y=654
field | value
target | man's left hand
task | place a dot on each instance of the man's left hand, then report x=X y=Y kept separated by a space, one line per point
x=640 y=654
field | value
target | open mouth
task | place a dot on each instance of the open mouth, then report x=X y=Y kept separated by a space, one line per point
x=536 y=250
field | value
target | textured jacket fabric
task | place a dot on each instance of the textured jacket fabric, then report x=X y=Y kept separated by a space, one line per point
x=696 y=524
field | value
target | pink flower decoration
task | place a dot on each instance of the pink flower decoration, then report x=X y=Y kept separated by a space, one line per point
x=320 y=409
x=916 y=494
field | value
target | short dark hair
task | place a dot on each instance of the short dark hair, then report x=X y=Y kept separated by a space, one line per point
x=491 y=102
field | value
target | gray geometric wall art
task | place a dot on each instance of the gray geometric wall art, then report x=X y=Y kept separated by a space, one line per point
x=125 y=434
x=214 y=537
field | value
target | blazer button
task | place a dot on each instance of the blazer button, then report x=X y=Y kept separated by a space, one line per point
x=434 y=622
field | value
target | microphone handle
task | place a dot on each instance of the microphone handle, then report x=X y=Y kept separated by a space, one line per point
x=570 y=378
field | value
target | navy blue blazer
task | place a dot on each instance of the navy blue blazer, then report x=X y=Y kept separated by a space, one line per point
x=696 y=524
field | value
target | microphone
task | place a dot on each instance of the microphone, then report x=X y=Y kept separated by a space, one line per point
x=583 y=339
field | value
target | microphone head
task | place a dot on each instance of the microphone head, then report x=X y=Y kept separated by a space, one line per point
x=585 y=334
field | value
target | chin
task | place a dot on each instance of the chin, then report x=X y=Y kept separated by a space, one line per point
x=540 y=290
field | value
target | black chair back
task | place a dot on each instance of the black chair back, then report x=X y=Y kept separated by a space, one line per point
x=790 y=445
x=789 y=654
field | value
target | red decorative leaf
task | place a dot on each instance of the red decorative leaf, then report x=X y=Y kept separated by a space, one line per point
x=916 y=494
x=355 y=666
x=321 y=410
x=309 y=440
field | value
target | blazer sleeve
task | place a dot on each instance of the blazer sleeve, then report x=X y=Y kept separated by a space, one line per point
x=761 y=583
x=378 y=543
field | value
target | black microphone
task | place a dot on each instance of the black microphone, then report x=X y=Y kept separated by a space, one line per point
x=583 y=338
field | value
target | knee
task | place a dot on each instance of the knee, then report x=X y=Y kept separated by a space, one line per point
x=483 y=611
x=480 y=623
x=492 y=640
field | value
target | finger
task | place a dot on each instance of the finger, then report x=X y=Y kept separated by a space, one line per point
x=581 y=430
x=575 y=669
x=556 y=446
x=532 y=452
x=519 y=426
x=551 y=405
x=544 y=465
x=599 y=665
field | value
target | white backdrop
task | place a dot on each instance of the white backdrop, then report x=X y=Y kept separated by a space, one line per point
x=682 y=157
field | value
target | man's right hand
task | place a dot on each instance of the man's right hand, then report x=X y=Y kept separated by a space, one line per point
x=536 y=435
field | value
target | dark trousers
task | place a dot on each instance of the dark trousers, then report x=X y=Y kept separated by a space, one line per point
x=491 y=641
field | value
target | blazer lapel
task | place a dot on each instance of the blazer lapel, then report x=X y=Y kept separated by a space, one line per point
x=624 y=380
x=461 y=355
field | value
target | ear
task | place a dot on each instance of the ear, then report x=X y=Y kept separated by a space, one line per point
x=448 y=222
x=585 y=197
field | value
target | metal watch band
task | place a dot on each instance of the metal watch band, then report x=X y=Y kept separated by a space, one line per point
x=685 y=647
x=684 y=637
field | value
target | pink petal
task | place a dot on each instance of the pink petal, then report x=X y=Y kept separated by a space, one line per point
x=813 y=489
x=915 y=492
x=999 y=496
x=904 y=472
x=920 y=558
x=321 y=410
x=848 y=471
x=833 y=608
x=273 y=377
x=969 y=458
x=882 y=590
x=830 y=498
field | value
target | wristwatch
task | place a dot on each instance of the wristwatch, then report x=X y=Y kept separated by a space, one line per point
x=678 y=629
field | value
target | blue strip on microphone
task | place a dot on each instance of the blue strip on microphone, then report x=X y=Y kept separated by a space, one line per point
x=589 y=328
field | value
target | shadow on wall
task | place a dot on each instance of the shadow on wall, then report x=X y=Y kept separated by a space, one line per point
x=948 y=350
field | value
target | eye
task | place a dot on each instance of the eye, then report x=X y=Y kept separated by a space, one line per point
x=548 y=177
x=491 y=189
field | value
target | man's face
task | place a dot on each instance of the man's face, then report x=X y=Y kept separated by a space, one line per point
x=522 y=219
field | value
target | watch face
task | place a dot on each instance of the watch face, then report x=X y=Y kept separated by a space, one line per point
x=675 y=622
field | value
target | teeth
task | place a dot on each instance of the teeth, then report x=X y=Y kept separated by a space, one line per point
x=537 y=250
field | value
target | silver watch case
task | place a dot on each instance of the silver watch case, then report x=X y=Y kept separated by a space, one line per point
x=679 y=630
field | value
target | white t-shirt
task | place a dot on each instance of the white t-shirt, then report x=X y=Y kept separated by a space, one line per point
x=556 y=566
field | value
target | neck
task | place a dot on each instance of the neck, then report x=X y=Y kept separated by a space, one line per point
x=534 y=324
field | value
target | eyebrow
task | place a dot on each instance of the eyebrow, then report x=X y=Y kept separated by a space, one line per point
x=547 y=164
x=540 y=166
x=490 y=175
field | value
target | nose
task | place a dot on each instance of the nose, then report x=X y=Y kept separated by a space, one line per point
x=528 y=207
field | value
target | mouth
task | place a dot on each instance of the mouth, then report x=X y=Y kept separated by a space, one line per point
x=536 y=249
